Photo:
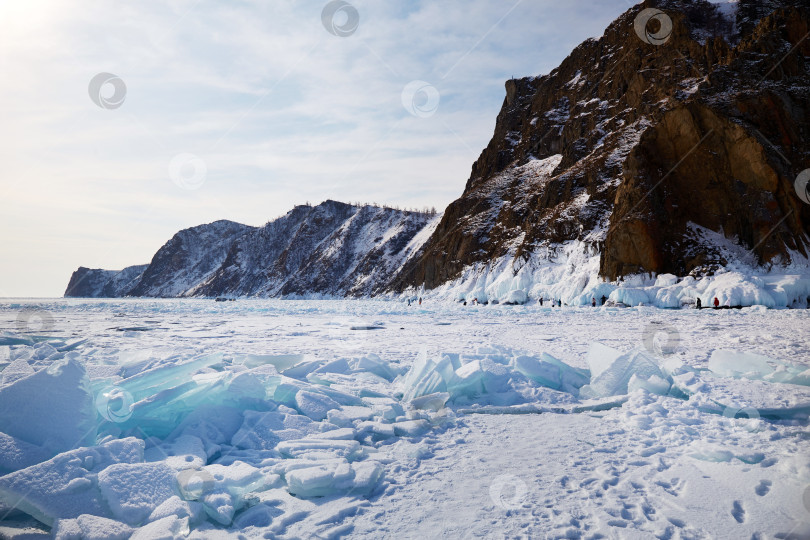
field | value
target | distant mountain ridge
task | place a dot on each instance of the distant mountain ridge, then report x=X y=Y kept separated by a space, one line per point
x=332 y=249
x=97 y=283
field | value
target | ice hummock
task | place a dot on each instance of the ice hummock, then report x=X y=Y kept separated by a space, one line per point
x=65 y=486
x=615 y=374
x=51 y=408
x=195 y=442
x=569 y=273
x=496 y=376
x=207 y=432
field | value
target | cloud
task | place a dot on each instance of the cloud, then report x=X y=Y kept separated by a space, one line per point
x=280 y=111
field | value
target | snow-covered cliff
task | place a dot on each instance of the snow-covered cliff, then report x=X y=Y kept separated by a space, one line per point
x=332 y=249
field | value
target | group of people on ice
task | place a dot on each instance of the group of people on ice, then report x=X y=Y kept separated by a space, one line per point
x=604 y=299
x=699 y=304
x=558 y=303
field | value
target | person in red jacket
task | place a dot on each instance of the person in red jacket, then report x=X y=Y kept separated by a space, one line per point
x=716 y=303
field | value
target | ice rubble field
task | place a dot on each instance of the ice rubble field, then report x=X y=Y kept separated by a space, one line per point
x=286 y=419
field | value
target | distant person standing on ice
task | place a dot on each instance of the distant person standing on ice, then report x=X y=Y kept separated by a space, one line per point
x=541 y=301
x=716 y=303
x=593 y=301
x=409 y=302
x=698 y=304
x=420 y=300
x=604 y=299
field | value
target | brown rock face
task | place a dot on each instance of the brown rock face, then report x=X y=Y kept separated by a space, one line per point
x=656 y=145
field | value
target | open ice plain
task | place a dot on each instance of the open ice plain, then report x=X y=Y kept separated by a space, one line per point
x=371 y=419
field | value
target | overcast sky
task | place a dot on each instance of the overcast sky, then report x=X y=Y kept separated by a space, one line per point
x=242 y=109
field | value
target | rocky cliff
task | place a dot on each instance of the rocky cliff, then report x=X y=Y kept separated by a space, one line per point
x=96 y=283
x=190 y=257
x=331 y=249
x=641 y=145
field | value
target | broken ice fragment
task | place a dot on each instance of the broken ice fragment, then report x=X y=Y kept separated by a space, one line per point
x=52 y=408
x=262 y=431
x=169 y=527
x=314 y=405
x=134 y=490
x=184 y=452
x=411 y=428
x=89 y=527
x=728 y=363
x=16 y=454
x=64 y=486
x=613 y=380
x=320 y=448
x=175 y=506
x=280 y=361
x=433 y=402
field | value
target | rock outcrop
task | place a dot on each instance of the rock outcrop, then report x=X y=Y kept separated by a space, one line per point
x=649 y=143
x=189 y=258
x=97 y=283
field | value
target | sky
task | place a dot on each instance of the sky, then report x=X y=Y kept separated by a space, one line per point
x=125 y=122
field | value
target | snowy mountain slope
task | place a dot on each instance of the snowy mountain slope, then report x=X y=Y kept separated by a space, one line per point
x=361 y=255
x=709 y=128
x=330 y=249
x=96 y=283
x=191 y=256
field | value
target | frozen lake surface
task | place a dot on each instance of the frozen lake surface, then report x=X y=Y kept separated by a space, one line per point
x=372 y=419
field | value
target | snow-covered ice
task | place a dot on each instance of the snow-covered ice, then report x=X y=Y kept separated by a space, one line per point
x=371 y=419
x=569 y=273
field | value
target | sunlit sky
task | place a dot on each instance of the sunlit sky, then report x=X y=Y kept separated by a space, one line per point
x=240 y=110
